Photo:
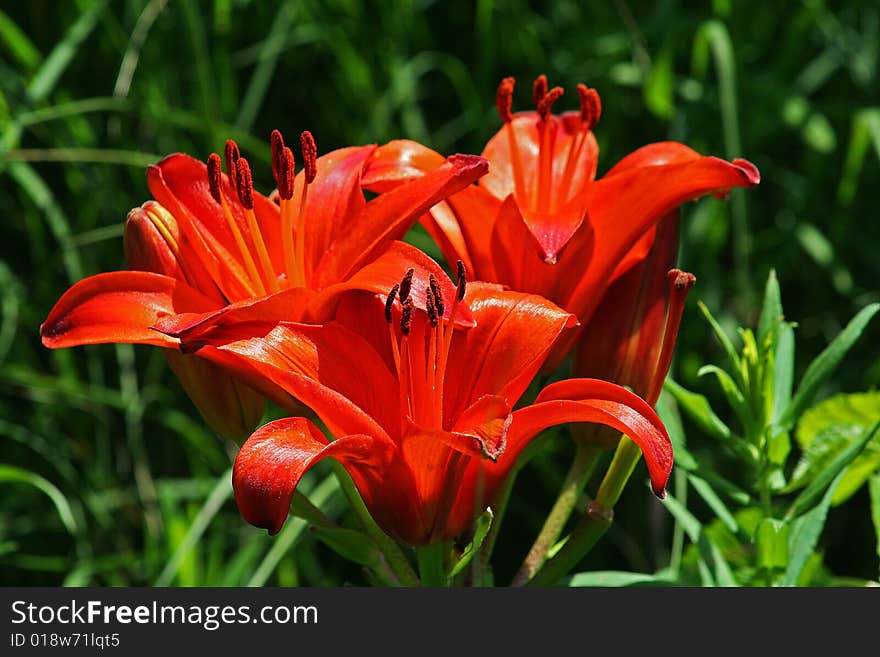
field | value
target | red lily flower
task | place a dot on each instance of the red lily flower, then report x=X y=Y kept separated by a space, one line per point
x=540 y=221
x=422 y=414
x=210 y=242
x=640 y=314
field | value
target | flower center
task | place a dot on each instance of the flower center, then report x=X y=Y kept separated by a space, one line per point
x=421 y=350
x=550 y=190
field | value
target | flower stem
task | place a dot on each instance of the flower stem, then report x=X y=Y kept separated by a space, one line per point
x=596 y=521
x=395 y=557
x=432 y=569
x=585 y=459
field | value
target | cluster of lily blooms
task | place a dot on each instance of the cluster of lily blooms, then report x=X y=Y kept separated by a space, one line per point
x=309 y=297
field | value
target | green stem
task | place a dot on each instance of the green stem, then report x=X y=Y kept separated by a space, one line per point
x=582 y=466
x=395 y=557
x=432 y=568
x=481 y=570
x=596 y=521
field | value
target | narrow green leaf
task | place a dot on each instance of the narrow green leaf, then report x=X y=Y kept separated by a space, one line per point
x=698 y=408
x=771 y=309
x=771 y=541
x=14 y=474
x=804 y=535
x=823 y=480
x=710 y=555
x=874 y=489
x=783 y=373
x=711 y=498
x=733 y=394
x=481 y=529
x=617 y=578
x=825 y=363
x=351 y=544
x=64 y=51
x=18 y=44
x=865 y=132
x=727 y=345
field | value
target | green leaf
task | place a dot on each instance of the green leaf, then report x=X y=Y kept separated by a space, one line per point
x=713 y=566
x=874 y=489
x=771 y=309
x=698 y=408
x=13 y=474
x=804 y=535
x=783 y=372
x=865 y=132
x=825 y=363
x=733 y=394
x=481 y=529
x=830 y=473
x=17 y=43
x=771 y=540
x=659 y=84
x=350 y=544
x=711 y=498
x=729 y=349
x=827 y=429
x=617 y=578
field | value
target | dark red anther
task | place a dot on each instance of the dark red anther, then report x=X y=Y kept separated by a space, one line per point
x=504 y=99
x=277 y=141
x=214 y=173
x=591 y=105
x=389 y=302
x=406 y=284
x=438 y=296
x=406 y=317
x=232 y=155
x=286 y=173
x=547 y=101
x=539 y=89
x=431 y=308
x=310 y=155
x=462 y=280
x=245 y=187
x=681 y=280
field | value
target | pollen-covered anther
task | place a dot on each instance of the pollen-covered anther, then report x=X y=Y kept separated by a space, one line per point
x=681 y=280
x=406 y=285
x=245 y=187
x=591 y=106
x=406 y=316
x=431 y=307
x=232 y=155
x=539 y=89
x=504 y=99
x=462 y=280
x=310 y=155
x=547 y=101
x=389 y=302
x=286 y=173
x=434 y=289
x=277 y=141
x=214 y=173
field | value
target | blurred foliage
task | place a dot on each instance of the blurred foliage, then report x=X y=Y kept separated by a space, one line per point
x=110 y=477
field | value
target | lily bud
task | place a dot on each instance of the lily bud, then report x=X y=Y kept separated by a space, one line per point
x=153 y=242
x=630 y=338
x=229 y=407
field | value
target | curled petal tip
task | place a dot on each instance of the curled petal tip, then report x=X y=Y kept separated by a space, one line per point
x=753 y=176
x=660 y=493
x=476 y=162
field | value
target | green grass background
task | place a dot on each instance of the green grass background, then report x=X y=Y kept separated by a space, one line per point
x=108 y=475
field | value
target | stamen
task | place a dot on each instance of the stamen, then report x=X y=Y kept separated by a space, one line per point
x=277 y=141
x=504 y=103
x=285 y=179
x=310 y=155
x=461 y=280
x=255 y=284
x=591 y=106
x=539 y=89
x=246 y=196
x=232 y=156
x=406 y=285
x=406 y=316
x=547 y=101
x=389 y=303
x=438 y=297
x=504 y=99
x=214 y=173
x=431 y=308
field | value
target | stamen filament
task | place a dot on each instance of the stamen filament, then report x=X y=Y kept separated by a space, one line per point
x=246 y=196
